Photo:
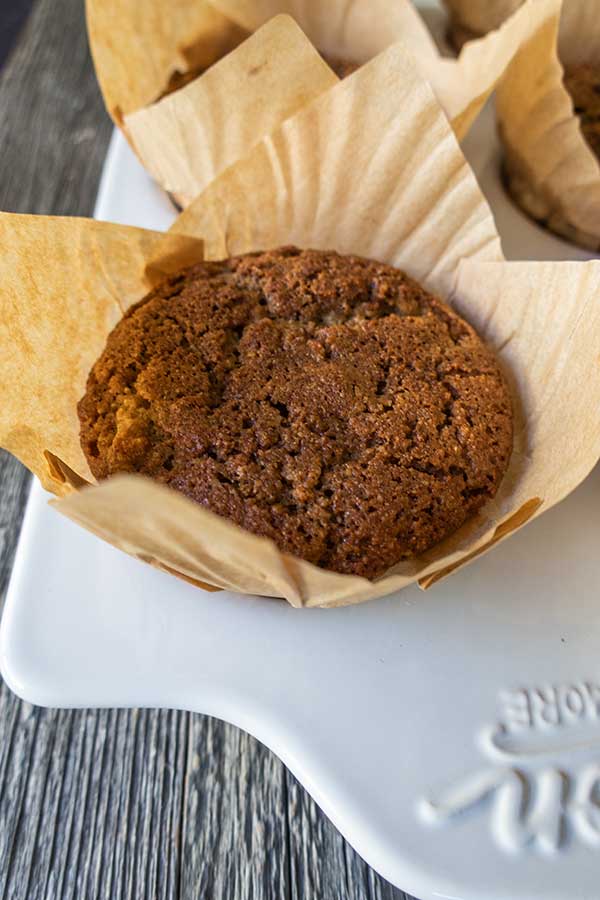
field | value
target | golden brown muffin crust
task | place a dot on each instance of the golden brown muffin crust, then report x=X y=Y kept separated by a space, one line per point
x=327 y=402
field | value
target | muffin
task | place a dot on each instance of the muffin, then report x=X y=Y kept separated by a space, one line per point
x=327 y=402
x=582 y=82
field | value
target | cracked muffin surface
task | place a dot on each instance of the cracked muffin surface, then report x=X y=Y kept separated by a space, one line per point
x=327 y=402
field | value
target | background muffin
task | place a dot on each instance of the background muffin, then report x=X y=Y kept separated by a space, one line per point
x=548 y=115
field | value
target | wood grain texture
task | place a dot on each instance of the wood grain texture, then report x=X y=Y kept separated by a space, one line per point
x=235 y=818
x=113 y=803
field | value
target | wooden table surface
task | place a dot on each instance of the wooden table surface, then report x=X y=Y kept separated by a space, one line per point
x=114 y=803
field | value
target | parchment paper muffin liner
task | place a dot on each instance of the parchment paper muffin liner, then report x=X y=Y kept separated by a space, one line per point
x=371 y=167
x=463 y=85
x=359 y=30
x=188 y=137
x=139 y=48
x=549 y=168
x=192 y=134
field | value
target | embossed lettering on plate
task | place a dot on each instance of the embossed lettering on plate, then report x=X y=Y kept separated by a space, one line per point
x=538 y=789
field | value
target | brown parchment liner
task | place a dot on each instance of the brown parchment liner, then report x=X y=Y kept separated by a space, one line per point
x=66 y=284
x=357 y=31
x=550 y=169
x=349 y=172
x=188 y=137
x=138 y=47
x=463 y=85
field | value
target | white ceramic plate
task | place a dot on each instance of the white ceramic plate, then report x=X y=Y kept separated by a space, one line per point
x=453 y=737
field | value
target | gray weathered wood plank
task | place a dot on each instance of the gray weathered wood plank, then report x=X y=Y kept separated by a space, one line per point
x=129 y=804
x=90 y=802
x=235 y=823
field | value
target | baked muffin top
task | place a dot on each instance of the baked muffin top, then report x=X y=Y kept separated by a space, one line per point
x=327 y=402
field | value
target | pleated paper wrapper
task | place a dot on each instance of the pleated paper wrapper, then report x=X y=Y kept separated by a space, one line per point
x=187 y=138
x=140 y=49
x=463 y=85
x=550 y=169
x=371 y=167
x=358 y=30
